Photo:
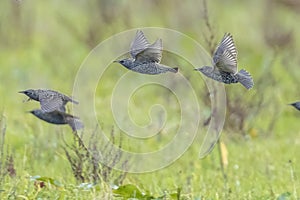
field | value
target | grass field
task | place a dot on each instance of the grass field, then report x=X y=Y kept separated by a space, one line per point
x=143 y=133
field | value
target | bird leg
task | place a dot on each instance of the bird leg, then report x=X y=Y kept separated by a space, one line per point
x=29 y=99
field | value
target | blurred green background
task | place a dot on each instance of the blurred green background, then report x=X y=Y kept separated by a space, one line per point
x=43 y=44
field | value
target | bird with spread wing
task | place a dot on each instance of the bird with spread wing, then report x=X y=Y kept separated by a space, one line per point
x=145 y=57
x=224 y=63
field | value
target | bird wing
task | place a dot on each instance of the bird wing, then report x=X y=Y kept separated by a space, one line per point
x=225 y=56
x=151 y=54
x=50 y=102
x=139 y=44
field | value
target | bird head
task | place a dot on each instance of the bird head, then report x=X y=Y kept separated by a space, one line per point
x=296 y=105
x=32 y=94
x=127 y=62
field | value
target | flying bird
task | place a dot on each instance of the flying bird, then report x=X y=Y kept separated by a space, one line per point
x=50 y=100
x=145 y=57
x=53 y=107
x=224 y=65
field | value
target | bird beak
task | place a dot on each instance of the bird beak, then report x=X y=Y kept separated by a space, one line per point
x=23 y=92
x=116 y=61
x=196 y=69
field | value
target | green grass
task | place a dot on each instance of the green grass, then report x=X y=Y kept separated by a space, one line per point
x=43 y=45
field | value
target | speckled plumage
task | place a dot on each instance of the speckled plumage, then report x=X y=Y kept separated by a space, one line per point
x=220 y=76
x=50 y=100
x=145 y=67
x=224 y=63
x=146 y=57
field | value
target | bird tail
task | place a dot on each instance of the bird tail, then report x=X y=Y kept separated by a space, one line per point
x=75 y=123
x=245 y=79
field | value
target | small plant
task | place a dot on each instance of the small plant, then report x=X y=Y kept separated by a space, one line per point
x=7 y=166
x=87 y=162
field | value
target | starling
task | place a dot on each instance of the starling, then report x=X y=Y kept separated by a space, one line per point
x=225 y=65
x=58 y=117
x=145 y=57
x=50 y=100
x=296 y=105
